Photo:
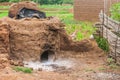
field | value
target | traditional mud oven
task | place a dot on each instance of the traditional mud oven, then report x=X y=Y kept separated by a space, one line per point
x=29 y=37
x=35 y=38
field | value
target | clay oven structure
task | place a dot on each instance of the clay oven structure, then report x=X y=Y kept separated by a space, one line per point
x=33 y=39
x=29 y=37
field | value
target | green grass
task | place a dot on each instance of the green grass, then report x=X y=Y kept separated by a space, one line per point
x=3 y=11
x=3 y=14
x=56 y=6
x=84 y=29
x=4 y=7
x=22 y=69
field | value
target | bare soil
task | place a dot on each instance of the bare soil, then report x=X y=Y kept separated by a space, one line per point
x=5 y=3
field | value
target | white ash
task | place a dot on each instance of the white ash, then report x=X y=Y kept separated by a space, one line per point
x=49 y=65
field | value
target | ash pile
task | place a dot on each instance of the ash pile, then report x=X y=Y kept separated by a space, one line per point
x=27 y=34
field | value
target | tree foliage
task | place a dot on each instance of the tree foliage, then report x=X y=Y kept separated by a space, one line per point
x=68 y=1
x=49 y=1
x=4 y=0
x=43 y=1
x=13 y=0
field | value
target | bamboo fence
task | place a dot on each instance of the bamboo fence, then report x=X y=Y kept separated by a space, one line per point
x=110 y=29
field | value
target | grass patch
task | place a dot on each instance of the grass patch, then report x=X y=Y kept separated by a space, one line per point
x=114 y=66
x=56 y=6
x=102 y=68
x=79 y=36
x=22 y=69
x=3 y=14
x=89 y=70
x=4 y=7
x=111 y=63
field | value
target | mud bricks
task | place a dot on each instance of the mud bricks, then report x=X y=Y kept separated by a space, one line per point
x=88 y=10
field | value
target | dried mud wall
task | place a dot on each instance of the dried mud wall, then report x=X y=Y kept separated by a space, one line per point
x=4 y=37
x=4 y=44
x=29 y=38
x=88 y=10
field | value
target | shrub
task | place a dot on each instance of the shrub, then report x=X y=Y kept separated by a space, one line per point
x=4 y=0
x=68 y=1
x=102 y=43
x=14 y=0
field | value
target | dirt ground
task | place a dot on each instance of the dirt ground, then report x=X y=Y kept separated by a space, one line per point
x=89 y=65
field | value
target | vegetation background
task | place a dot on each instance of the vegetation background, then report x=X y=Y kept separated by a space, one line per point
x=43 y=1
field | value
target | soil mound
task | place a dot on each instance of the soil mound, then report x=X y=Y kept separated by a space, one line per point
x=67 y=44
x=5 y=3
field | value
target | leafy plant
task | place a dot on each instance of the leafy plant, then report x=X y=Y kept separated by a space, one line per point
x=102 y=43
x=110 y=60
x=68 y=1
x=14 y=0
x=115 y=11
x=23 y=69
x=112 y=64
x=79 y=36
x=4 y=0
